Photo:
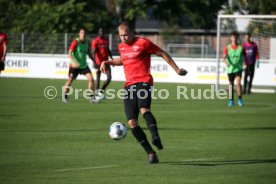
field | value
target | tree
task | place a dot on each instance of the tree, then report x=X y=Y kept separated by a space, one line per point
x=53 y=17
x=245 y=7
x=202 y=14
x=197 y=14
x=127 y=9
x=257 y=7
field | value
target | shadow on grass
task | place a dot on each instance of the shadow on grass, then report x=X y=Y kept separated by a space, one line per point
x=52 y=131
x=241 y=128
x=220 y=162
x=22 y=97
x=146 y=129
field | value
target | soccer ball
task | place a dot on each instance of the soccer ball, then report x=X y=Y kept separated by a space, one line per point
x=117 y=131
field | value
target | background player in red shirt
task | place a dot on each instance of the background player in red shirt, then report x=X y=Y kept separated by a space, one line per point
x=101 y=51
x=251 y=59
x=135 y=53
x=3 y=50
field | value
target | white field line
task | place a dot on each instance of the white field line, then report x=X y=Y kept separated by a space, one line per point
x=85 y=168
x=201 y=159
x=227 y=109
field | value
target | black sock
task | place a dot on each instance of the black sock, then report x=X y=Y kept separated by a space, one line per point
x=151 y=122
x=141 y=137
x=240 y=97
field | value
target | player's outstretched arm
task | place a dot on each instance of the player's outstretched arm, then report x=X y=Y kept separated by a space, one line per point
x=257 y=55
x=224 y=59
x=115 y=62
x=4 y=42
x=170 y=61
x=243 y=62
x=4 y=53
x=244 y=58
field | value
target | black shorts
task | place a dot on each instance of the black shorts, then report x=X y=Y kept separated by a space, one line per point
x=138 y=96
x=232 y=76
x=74 y=72
x=2 y=66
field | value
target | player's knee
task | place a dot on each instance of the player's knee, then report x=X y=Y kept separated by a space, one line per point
x=143 y=110
x=90 y=78
x=132 y=123
x=69 y=80
x=238 y=81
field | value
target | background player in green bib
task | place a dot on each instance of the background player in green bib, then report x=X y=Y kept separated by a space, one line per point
x=78 y=51
x=233 y=57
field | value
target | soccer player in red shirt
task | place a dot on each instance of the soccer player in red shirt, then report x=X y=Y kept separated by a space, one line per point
x=135 y=53
x=3 y=50
x=78 y=51
x=233 y=57
x=101 y=51
x=251 y=59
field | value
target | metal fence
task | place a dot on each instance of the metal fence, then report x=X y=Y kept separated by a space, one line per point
x=188 y=46
x=176 y=45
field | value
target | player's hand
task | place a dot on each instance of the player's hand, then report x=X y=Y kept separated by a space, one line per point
x=226 y=63
x=258 y=64
x=182 y=72
x=103 y=67
x=77 y=65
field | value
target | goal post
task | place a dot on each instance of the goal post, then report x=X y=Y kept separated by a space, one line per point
x=263 y=30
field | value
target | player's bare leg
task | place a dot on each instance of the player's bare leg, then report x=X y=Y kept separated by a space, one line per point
x=141 y=137
x=231 y=93
x=152 y=125
x=91 y=87
x=239 y=90
x=90 y=82
x=239 y=87
x=66 y=88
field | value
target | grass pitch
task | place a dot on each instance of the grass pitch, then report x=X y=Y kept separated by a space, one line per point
x=47 y=141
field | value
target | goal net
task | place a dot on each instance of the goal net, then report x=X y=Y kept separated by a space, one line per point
x=263 y=33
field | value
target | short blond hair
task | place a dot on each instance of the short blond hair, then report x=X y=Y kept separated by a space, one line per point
x=125 y=25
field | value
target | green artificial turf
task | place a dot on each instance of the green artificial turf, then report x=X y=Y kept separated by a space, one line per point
x=205 y=141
